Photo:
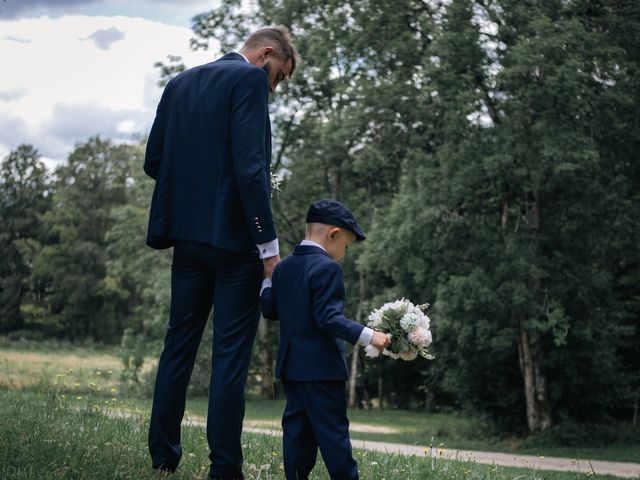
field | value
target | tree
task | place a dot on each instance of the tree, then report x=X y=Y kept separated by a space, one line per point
x=72 y=262
x=491 y=218
x=24 y=198
x=137 y=280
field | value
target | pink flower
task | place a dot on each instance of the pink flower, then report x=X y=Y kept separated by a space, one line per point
x=420 y=337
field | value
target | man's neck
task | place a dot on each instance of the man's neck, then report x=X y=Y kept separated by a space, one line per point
x=244 y=56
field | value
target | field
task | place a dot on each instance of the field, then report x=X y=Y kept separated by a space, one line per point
x=61 y=416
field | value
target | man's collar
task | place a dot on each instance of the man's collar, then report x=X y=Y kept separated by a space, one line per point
x=245 y=58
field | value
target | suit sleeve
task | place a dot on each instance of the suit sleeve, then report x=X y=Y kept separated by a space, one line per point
x=249 y=117
x=155 y=143
x=328 y=304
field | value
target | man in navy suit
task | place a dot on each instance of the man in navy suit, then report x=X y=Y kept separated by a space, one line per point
x=307 y=295
x=209 y=152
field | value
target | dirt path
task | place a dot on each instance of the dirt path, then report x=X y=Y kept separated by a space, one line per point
x=598 y=467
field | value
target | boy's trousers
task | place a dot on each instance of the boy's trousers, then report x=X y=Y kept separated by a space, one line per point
x=316 y=416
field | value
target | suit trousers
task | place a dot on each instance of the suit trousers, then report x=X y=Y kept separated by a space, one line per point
x=316 y=416
x=203 y=277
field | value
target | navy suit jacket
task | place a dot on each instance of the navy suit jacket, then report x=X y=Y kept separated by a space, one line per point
x=209 y=151
x=307 y=296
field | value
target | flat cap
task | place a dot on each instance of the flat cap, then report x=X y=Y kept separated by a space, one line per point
x=332 y=212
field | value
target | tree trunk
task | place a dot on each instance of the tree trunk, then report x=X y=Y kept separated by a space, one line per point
x=535 y=384
x=265 y=359
x=353 y=377
x=380 y=392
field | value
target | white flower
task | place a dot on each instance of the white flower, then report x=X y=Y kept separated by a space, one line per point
x=420 y=337
x=409 y=321
x=408 y=355
x=375 y=319
x=371 y=351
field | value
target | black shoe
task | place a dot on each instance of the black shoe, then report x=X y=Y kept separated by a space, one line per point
x=163 y=472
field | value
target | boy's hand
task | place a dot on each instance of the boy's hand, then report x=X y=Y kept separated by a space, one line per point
x=380 y=340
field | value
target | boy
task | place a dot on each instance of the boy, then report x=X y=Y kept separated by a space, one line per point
x=306 y=294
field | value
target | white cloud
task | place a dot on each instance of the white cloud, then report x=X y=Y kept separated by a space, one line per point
x=58 y=89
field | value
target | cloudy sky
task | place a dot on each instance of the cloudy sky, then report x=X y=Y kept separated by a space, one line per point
x=76 y=68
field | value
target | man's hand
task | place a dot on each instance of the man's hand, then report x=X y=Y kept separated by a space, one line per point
x=269 y=265
x=380 y=340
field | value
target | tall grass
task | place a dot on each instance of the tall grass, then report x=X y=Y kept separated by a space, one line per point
x=45 y=434
x=90 y=371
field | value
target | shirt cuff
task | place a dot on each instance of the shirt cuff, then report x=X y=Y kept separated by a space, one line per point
x=269 y=249
x=266 y=283
x=365 y=336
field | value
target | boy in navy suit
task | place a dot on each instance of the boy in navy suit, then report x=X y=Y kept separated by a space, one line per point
x=306 y=294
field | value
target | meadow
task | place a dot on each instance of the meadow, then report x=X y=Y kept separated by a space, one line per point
x=64 y=415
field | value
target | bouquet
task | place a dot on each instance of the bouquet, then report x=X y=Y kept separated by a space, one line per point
x=407 y=327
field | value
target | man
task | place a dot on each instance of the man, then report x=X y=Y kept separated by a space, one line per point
x=209 y=151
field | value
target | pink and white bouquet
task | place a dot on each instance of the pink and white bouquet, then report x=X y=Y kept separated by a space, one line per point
x=407 y=327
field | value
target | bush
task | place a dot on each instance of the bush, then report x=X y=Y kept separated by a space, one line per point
x=570 y=434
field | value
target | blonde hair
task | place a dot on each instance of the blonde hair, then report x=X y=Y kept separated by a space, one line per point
x=279 y=38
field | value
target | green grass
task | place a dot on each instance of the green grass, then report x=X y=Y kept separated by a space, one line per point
x=88 y=371
x=444 y=430
x=45 y=434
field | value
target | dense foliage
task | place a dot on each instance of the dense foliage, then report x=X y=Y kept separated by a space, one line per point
x=489 y=149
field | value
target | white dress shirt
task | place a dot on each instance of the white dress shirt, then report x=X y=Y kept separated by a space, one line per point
x=367 y=333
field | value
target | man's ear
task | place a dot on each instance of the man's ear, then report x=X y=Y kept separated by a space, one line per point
x=267 y=52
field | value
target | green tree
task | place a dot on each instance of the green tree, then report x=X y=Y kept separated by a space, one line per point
x=513 y=218
x=137 y=278
x=72 y=262
x=24 y=198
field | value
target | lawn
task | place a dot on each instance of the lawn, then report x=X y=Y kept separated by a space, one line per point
x=45 y=434
x=87 y=372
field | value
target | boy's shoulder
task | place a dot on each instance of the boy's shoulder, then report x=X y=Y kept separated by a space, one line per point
x=311 y=263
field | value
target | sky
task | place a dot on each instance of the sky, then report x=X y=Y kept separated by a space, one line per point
x=71 y=69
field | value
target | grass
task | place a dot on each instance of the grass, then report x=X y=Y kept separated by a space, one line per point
x=45 y=434
x=443 y=430
x=85 y=372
